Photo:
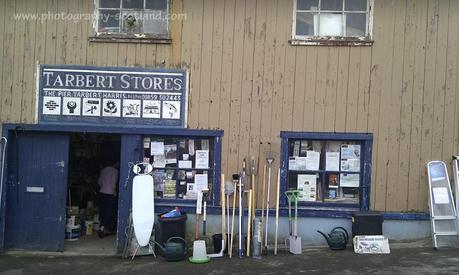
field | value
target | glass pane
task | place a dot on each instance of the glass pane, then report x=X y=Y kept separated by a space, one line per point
x=132 y=21
x=304 y=23
x=109 y=21
x=307 y=4
x=356 y=24
x=133 y=4
x=331 y=5
x=109 y=3
x=331 y=24
x=156 y=4
x=356 y=5
x=155 y=22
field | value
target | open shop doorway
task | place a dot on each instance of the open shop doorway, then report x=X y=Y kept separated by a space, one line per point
x=92 y=193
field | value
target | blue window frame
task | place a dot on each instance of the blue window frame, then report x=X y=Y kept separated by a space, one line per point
x=332 y=170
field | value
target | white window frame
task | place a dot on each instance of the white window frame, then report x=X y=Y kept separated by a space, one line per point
x=121 y=9
x=335 y=40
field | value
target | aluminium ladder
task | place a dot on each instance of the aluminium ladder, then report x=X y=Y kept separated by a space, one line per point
x=443 y=215
x=455 y=165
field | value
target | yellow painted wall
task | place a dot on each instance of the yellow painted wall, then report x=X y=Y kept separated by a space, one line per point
x=246 y=79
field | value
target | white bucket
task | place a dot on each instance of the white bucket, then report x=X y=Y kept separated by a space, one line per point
x=72 y=233
x=199 y=250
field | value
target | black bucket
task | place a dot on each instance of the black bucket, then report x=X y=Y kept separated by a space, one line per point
x=217 y=240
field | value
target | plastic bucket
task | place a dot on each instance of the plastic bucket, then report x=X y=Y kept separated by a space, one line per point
x=217 y=241
x=72 y=233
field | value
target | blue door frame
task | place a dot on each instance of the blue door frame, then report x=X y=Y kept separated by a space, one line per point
x=130 y=153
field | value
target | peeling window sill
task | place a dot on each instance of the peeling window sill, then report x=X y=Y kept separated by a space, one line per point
x=346 y=42
x=123 y=38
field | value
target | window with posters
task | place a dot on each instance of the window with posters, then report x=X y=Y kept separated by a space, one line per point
x=329 y=169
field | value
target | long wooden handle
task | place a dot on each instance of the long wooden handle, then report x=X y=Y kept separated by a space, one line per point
x=249 y=222
x=232 y=222
x=223 y=201
x=263 y=208
x=277 y=211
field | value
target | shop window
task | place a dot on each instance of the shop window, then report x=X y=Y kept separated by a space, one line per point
x=182 y=166
x=328 y=22
x=133 y=18
x=330 y=169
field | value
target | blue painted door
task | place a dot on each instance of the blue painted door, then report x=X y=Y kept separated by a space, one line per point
x=37 y=191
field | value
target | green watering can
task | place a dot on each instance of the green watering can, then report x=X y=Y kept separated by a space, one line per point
x=173 y=251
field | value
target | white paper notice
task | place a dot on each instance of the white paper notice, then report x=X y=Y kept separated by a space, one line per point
x=307 y=185
x=157 y=148
x=349 y=180
x=332 y=161
x=185 y=164
x=191 y=193
x=350 y=165
x=440 y=195
x=301 y=163
x=312 y=160
x=292 y=163
x=350 y=151
x=159 y=161
x=202 y=159
x=200 y=182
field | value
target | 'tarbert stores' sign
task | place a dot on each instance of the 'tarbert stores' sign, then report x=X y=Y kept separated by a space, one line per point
x=112 y=95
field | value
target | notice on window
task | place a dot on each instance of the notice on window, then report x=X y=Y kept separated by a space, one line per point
x=301 y=163
x=312 y=160
x=350 y=158
x=171 y=153
x=201 y=182
x=332 y=161
x=202 y=159
x=307 y=185
x=157 y=148
x=350 y=180
x=191 y=193
x=169 y=189
x=159 y=161
x=292 y=164
x=185 y=164
x=440 y=195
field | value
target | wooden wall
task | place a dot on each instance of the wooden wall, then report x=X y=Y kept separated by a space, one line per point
x=249 y=81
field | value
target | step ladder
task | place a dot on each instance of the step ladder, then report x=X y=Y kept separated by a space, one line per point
x=443 y=214
x=455 y=165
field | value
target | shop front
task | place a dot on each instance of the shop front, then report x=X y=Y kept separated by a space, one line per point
x=90 y=118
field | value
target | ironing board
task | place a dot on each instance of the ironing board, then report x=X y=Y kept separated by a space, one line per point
x=143 y=208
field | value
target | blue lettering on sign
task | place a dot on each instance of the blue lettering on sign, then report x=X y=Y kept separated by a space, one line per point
x=113 y=95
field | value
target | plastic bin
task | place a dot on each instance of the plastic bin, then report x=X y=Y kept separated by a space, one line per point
x=217 y=241
x=171 y=227
x=367 y=223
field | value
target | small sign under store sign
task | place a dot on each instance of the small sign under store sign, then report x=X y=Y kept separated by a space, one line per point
x=111 y=95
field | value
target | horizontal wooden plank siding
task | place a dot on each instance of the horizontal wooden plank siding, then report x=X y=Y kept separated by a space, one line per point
x=247 y=79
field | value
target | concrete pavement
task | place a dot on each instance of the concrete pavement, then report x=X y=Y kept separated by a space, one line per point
x=413 y=258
